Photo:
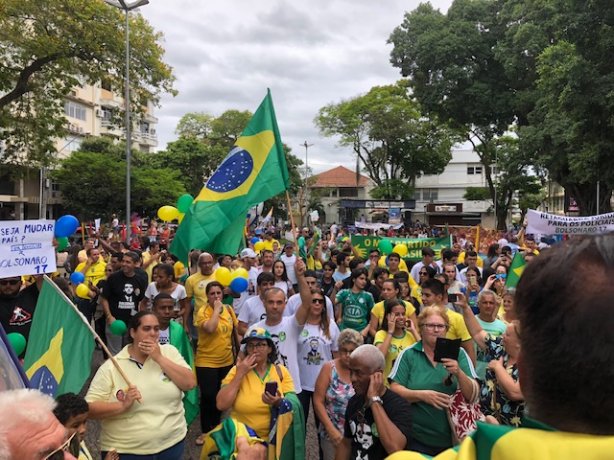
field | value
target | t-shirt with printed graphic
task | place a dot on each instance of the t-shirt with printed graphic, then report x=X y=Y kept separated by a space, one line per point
x=360 y=425
x=285 y=336
x=124 y=294
x=314 y=349
x=355 y=309
x=16 y=313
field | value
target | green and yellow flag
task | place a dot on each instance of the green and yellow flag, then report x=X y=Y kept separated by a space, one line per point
x=253 y=171
x=59 y=355
x=515 y=271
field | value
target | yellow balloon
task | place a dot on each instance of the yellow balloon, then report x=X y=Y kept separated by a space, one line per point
x=168 y=213
x=400 y=249
x=259 y=246
x=82 y=290
x=381 y=262
x=222 y=275
x=240 y=273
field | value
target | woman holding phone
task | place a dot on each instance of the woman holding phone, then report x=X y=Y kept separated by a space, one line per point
x=428 y=384
x=396 y=334
x=255 y=384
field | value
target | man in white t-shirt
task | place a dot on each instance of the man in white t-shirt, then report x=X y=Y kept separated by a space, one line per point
x=289 y=259
x=285 y=330
x=253 y=310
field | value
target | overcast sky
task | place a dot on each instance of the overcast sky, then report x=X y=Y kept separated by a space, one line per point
x=226 y=53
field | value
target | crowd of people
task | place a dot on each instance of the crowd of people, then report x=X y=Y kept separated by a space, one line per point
x=354 y=336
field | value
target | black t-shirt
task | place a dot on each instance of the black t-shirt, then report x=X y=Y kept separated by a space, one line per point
x=124 y=294
x=16 y=313
x=361 y=429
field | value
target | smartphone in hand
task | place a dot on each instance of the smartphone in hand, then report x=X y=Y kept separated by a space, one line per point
x=271 y=388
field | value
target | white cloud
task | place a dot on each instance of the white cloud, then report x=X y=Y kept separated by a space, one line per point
x=225 y=55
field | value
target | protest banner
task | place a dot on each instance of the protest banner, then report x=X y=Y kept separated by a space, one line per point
x=26 y=247
x=552 y=224
x=364 y=244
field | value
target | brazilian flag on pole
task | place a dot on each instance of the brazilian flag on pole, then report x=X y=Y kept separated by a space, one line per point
x=59 y=354
x=515 y=272
x=253 y=171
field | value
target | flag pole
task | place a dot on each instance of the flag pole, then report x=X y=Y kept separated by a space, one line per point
x=91 y=329
x=292 y=219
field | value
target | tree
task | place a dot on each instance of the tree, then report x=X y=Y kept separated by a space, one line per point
x=93 y=182
x=47 y=47
x=390 y=136
x=570 y=125
x=453 y=70
x=223 y=130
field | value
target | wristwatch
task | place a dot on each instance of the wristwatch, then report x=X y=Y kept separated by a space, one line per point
x=375 y=400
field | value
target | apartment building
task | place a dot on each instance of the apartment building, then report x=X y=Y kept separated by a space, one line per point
x=90 y=110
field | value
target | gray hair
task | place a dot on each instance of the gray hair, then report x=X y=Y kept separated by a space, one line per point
x=484 y=292
x=371 y=356
x=203 y=254
x=274 y=290
x=350 y=336
x=24 y=405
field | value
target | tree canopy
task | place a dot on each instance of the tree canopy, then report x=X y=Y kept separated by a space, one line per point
x=392 y=139
x=93 y=181
x=47 y=47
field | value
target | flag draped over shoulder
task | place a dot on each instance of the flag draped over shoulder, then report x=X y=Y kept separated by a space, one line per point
x=515 y=272
x=59 y=354
x=253 y=171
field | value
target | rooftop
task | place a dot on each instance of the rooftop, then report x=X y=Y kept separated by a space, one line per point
x=339 y=177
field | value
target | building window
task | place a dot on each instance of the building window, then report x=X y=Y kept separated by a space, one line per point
x=106 y=85
x=75 y=110
x=417 y=194
x=348 y=192
x=471 y=170
x=334 y=192
x=430 y=194
x=72 y=144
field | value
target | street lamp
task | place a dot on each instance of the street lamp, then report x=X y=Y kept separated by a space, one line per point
x=127 y=7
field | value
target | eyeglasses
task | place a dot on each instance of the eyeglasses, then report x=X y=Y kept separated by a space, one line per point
x=9 y=282
x=254 y=345
x=317 y=301
x=435 y=327
x=423 y=273
x=58 y=454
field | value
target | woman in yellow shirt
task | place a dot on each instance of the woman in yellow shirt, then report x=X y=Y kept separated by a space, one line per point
x=396 y=333
x=216 y=324
x=255 y=384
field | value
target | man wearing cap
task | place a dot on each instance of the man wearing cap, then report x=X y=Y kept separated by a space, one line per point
x=289 y=258
x=285 y=330
x=248 y=257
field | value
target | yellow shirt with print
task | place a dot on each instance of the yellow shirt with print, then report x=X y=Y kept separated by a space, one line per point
x=248 y=407
x=268 y=245
x=397 y=345
x=215 y=349
x=148 y=427
x=195 y=287
x=378 y=311
x=461 y=260
x=150 y=267
x=95 y=273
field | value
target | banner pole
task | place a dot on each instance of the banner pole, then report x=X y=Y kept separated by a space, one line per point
x=292 y=219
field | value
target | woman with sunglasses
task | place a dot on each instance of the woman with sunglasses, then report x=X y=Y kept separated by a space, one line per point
x=428 y=384
x=317 y=344
x=333 y=390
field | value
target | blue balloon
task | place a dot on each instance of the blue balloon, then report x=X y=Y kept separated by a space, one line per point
x=77 y=278
x=238 y=285
x=66 y=226
x=255 y=239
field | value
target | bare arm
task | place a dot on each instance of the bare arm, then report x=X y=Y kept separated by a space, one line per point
x=391 y=437
x=322 y=383
x=107 y=310
x=434 y=398
x=305 y=293
x=103 y=409
x=473 y=326
x=242 y=328
x=181 y=376
x=510 y=388
x=470 y=349
x=344 y=449
x=228 y=393
x=210 y=325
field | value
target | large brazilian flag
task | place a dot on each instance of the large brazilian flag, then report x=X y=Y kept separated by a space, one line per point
x=253 y=171
x=59 y=354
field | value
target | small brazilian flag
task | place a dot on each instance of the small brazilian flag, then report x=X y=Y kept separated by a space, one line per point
x=516 y=268
x=59 y=355
x=253 y=171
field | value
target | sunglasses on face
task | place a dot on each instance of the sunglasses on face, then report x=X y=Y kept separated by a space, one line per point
x=58 y=454
x=9 y=282
x=321 y=301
